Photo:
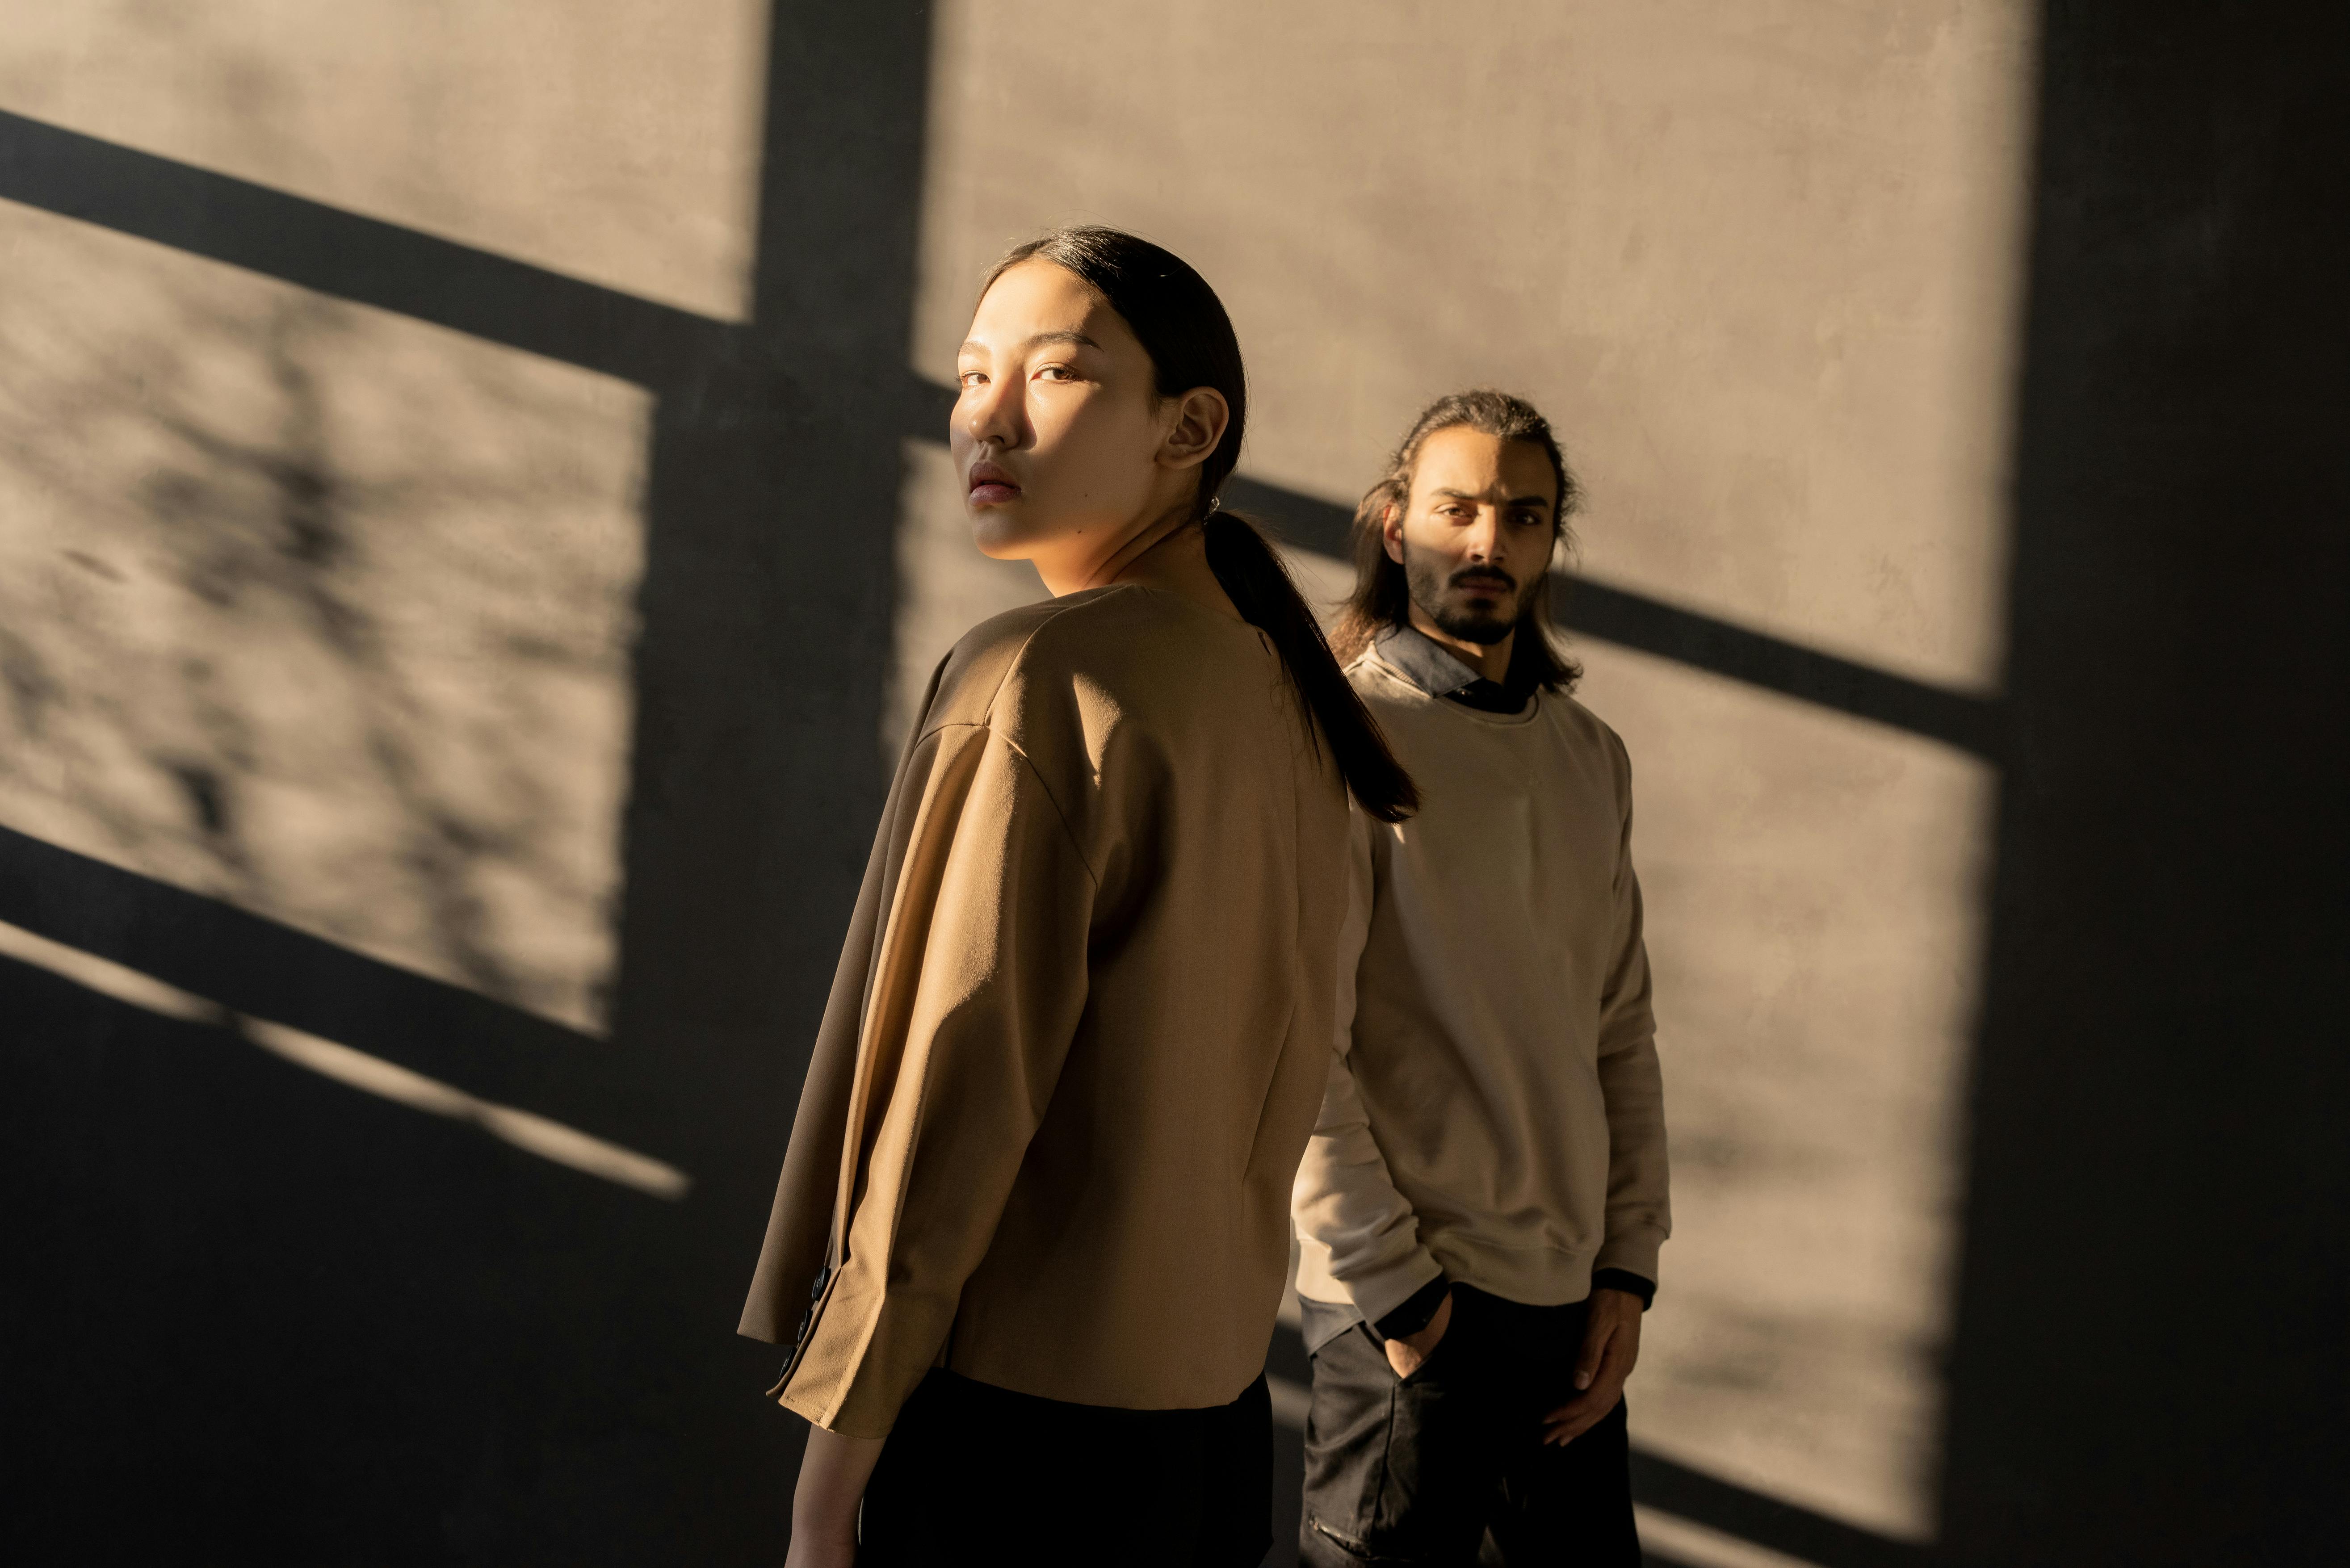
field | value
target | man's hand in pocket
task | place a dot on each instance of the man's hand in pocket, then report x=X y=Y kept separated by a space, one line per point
x=1407 y=1353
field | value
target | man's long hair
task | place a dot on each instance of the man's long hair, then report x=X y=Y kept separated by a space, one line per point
x=1382 y=596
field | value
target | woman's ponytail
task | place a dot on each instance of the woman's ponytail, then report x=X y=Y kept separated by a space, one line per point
x=1184 y=327
x=1260 y=589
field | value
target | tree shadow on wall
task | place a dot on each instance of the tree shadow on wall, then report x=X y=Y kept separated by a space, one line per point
x=757 y=681
x=263 y=1312
x=277 y=1316
x=314 y=643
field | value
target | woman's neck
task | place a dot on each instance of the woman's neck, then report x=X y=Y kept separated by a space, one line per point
x=1169 y=553
x=1164 y=524
x=1177 y=563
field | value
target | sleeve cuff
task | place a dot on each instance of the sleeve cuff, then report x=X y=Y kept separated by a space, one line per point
x=1632 y=1249
x=1630 y=1283
x=1381 y=1293
x=1417 y=1311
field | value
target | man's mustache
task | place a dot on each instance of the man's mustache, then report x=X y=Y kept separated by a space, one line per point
x=1467 y=574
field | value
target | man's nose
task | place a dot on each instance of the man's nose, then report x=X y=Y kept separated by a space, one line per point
x=1483 y=540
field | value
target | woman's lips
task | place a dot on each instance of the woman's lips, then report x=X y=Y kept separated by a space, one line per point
x=990 y=486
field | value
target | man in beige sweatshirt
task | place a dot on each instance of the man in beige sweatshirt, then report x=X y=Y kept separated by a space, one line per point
x=1480 y=1211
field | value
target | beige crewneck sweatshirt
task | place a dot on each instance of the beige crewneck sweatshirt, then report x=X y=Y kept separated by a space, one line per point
x=1080 y=1030
x=1495 y=1112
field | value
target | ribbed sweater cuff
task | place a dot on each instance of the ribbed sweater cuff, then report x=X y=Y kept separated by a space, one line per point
x=1634 y=1252
x=1418 y=1311
x=1630 y=1283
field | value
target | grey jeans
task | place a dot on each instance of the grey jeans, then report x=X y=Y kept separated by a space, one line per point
x=1446 y=1467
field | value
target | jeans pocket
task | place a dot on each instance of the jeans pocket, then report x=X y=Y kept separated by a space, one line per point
x=1346 y=1437
x=1427 y=1368
x=1446 y=1351
x=1437 y=1470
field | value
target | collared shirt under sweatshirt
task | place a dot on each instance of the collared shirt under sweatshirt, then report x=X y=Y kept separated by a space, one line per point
x=1080 y=1030
x=1495 y=1114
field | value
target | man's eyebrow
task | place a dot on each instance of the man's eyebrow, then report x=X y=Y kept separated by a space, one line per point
x=973 y=345
x=1480 y=496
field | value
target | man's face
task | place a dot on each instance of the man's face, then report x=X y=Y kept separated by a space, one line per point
x=1475 y=533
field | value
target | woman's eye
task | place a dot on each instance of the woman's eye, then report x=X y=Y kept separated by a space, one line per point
x=1055 y=373
x=973 y=378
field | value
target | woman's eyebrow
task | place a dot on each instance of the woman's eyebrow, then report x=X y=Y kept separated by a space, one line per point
x=973 y=346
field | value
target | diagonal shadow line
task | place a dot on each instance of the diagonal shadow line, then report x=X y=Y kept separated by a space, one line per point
x=270 y=971
x=1958 y=719
x=1787 y=1527
x=490 y=296
x=29 y=963
x=1650 y=626
x=1633 y=621
x=256 y=966
x=353 y=257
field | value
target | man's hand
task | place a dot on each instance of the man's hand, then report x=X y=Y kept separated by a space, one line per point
x=833 y=1473
x=1611 y=1343
x=1407 y=1353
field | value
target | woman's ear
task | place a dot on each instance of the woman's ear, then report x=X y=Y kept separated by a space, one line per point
x=1200 y=416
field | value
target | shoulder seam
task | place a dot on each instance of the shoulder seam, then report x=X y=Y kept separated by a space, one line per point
x=1010 y=665
x=1060 y=813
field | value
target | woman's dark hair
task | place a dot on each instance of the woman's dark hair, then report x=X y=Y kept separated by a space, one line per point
x=1181 y=325
x=1382 y=597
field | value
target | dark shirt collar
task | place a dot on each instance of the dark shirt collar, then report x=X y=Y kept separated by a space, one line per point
x=1439 y=672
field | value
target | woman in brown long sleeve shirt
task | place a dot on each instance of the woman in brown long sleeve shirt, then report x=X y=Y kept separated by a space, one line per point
x=1032 y=1224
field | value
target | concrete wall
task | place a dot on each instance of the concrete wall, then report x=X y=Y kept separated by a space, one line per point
x=1759 y=264
x=2158 y=1080
x=472 y=521
x=439 y=752
x=343 y=631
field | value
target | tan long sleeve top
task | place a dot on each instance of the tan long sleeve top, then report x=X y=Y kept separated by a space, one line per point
x=1079 y=1030
x=1495 y=1112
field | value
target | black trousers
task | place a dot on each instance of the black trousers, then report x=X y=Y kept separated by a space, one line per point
x=1446 y=1467
x=974 y=1473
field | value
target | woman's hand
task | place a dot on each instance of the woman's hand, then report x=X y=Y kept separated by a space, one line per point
x=833 y=1473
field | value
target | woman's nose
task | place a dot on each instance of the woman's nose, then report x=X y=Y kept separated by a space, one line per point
x=991 y=414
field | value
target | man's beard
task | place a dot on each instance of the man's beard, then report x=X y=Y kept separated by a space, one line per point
x=1429 y=586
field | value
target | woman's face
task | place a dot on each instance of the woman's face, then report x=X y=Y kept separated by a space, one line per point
x=1061 y=441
